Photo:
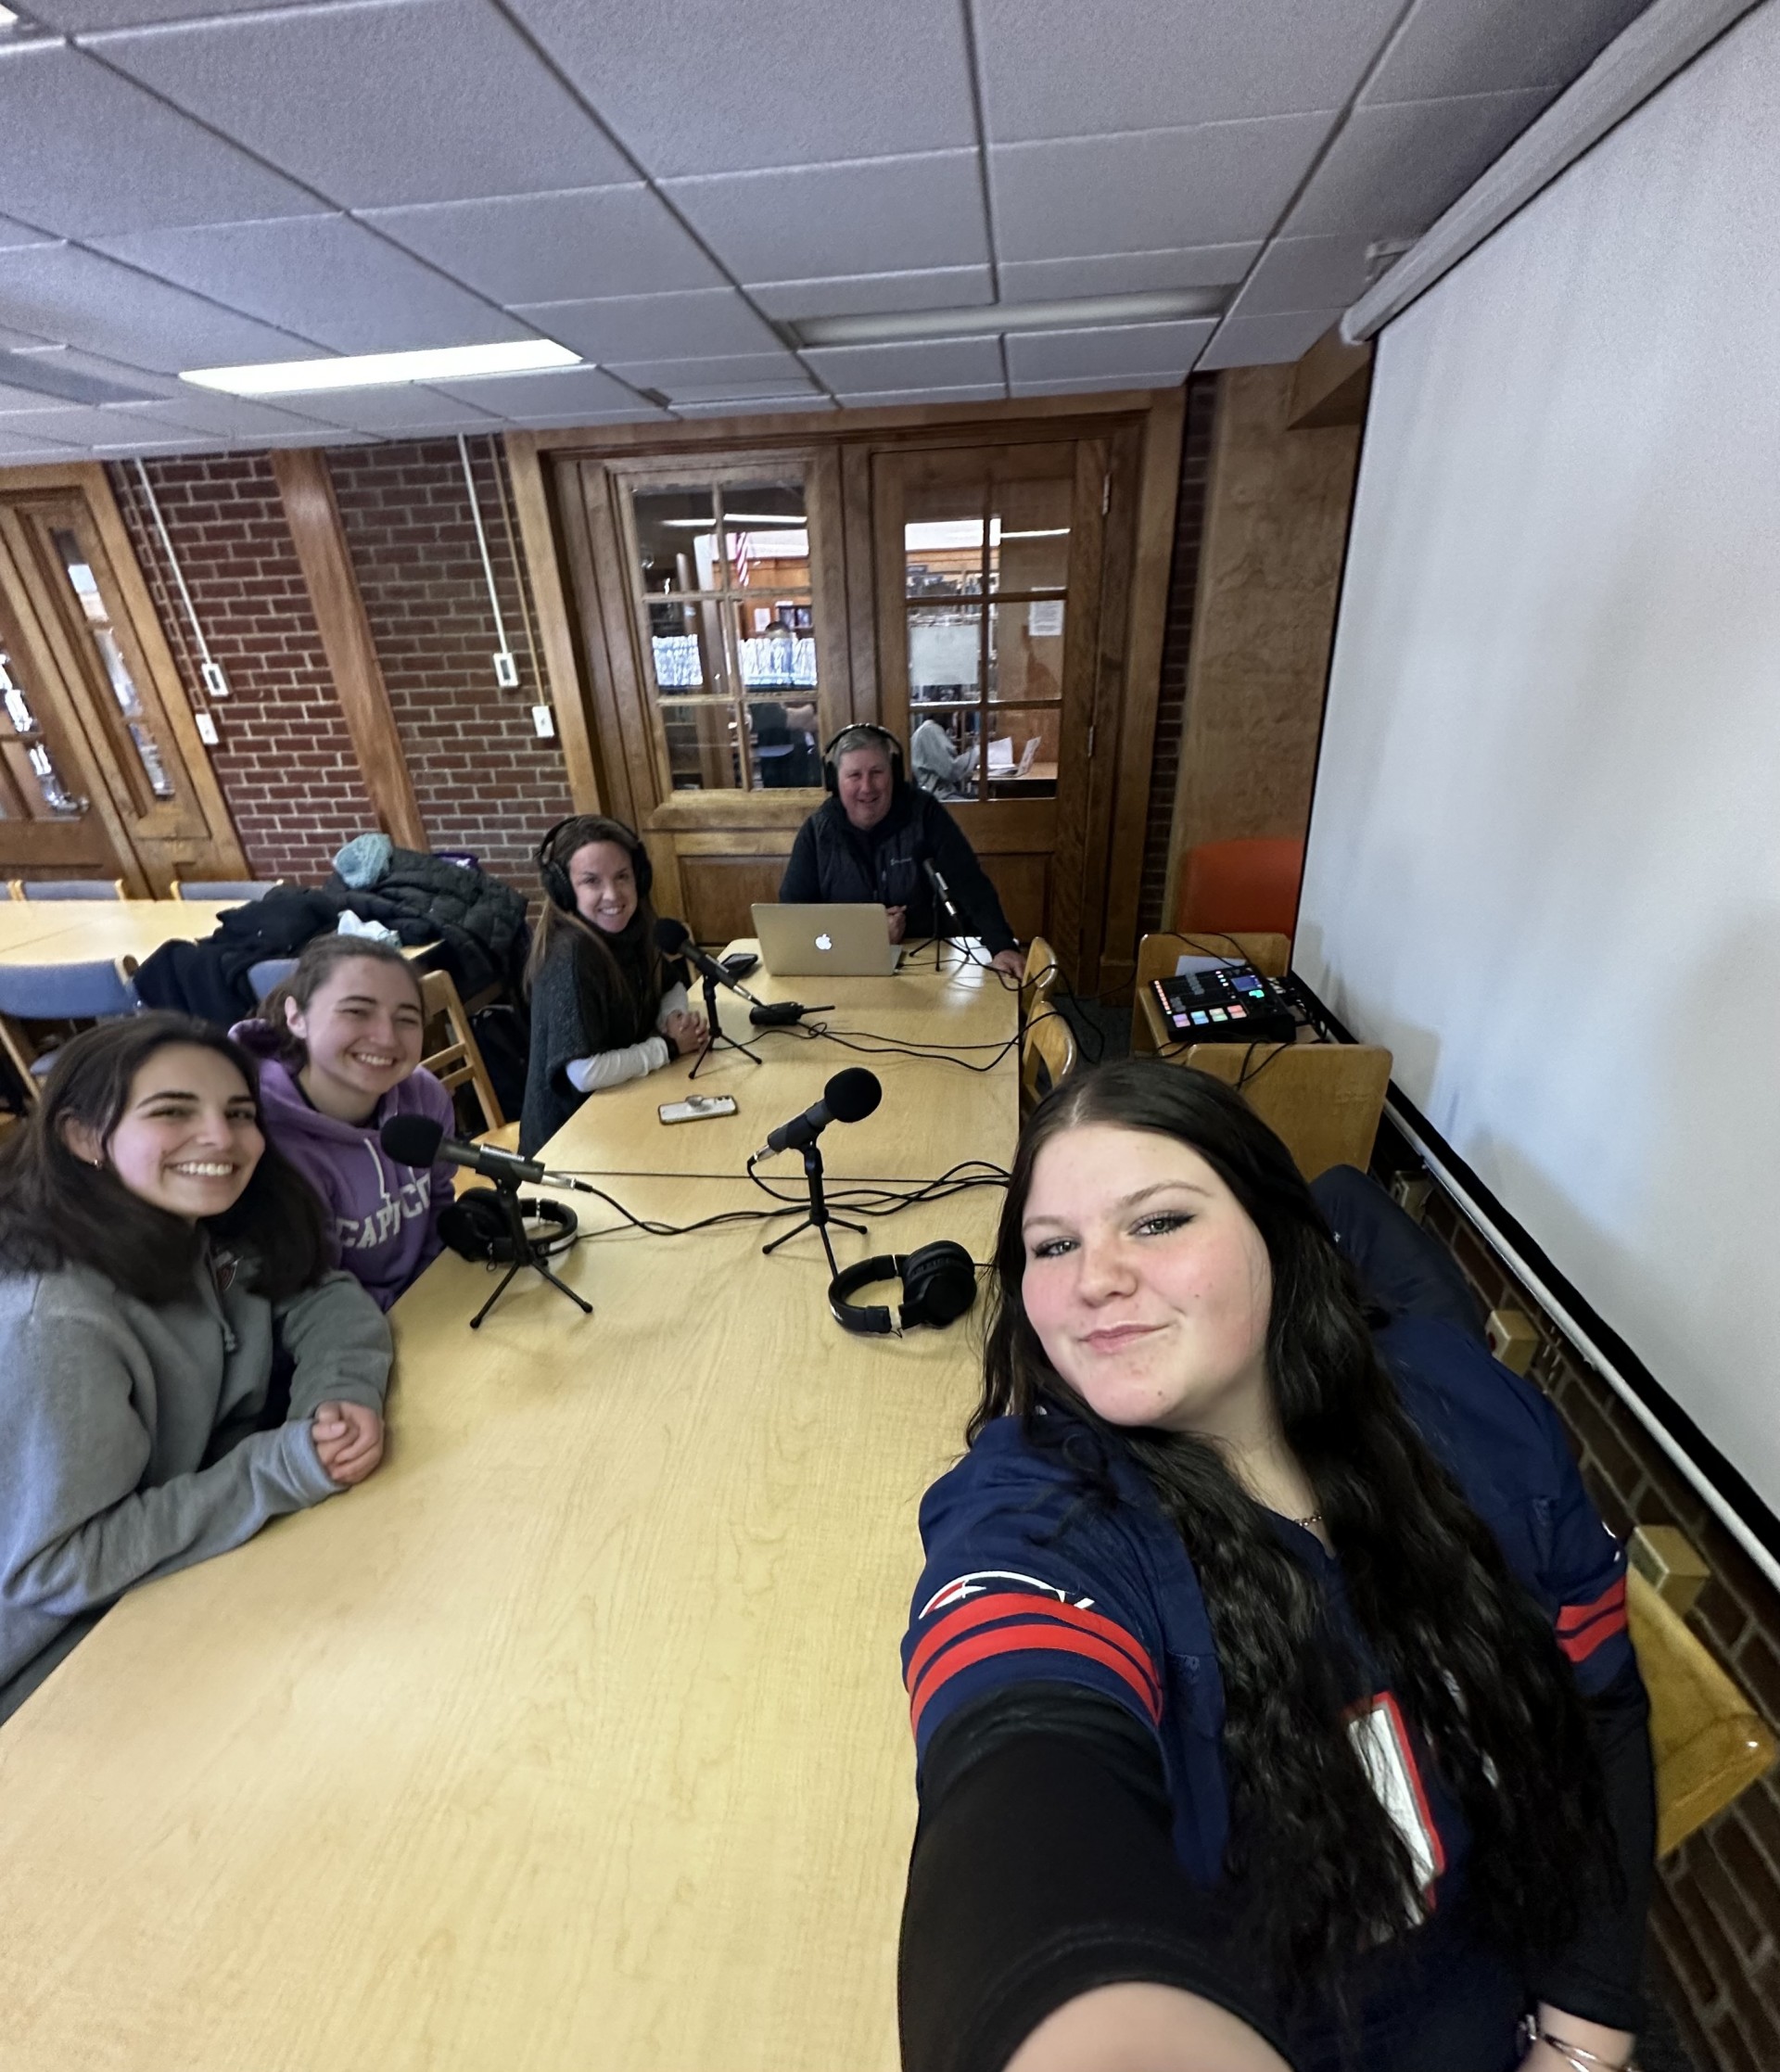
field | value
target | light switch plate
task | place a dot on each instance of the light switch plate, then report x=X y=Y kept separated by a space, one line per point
x=544 y=720
x=506 y=671
x=215 y=682
x=207 y=732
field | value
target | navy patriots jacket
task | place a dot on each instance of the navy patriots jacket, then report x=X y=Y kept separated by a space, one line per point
x=1026 y=1582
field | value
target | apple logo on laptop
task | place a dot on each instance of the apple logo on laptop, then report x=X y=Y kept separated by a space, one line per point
x=824 y=941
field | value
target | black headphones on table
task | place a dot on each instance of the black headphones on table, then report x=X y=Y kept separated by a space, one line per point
x=552 y=871
x=843 y=741
x=475 y=1226
x=938 y=1286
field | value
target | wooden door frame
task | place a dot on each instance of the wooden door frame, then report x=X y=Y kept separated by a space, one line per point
x=217 y=850
x=586 y=661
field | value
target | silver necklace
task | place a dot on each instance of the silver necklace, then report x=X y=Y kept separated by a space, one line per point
x=1315 y=1518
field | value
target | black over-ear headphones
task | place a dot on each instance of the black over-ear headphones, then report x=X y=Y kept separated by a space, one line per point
x=475 y=1226
x=552 y=871
x=843 y=741
x=938 y=1286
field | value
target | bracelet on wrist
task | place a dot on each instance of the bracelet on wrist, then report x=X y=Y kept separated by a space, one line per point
x=1576 y=2055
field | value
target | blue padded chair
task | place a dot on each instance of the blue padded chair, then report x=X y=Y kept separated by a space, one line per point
x=68 y=888
x=269 y=972
x=224 y=888
x=89 y=992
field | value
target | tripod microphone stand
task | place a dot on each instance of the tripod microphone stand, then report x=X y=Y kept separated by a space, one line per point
x=714 y=1032
x=818 y=1218
x=526 y=1250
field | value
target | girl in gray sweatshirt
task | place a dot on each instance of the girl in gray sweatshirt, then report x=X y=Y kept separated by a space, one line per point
x=152 y=1246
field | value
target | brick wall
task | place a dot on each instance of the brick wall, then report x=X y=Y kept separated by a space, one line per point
x=285 y=760
x=484 y=780
x=1177 y=637
x=1715 y=1917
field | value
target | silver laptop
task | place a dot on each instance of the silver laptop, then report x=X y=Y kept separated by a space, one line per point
x=841 y=942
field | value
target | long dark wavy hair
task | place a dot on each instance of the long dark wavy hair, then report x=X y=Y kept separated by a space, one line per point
x=1318 y=1866
x=626 y=973
x=58 y=1210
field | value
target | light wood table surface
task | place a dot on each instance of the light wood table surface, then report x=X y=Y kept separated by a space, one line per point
x=77 y=931
x=574 y=1740
x=934 y=1114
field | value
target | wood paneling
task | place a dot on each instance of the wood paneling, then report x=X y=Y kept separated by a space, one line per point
x=314 y=520
x=1332 y=383
x=574 y=724
x=1270 y=578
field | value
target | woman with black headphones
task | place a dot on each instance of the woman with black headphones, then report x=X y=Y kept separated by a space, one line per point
x=605 y=1007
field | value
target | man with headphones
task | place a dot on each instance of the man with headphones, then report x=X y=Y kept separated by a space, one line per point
x=868 y=843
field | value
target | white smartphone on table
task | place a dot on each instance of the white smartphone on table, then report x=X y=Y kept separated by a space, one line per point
x=697 y=1108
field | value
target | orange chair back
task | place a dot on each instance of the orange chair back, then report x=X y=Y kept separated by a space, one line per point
x=1250 y=886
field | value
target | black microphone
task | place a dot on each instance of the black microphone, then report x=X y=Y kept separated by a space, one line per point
x=418 y=1140
x=673 y=938
x=849 y=1097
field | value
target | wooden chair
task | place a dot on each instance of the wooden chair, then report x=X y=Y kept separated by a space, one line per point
x=243 y=889
x=1043 y=972
x=1157 y=956
x=1323 y=1100
x=66 y=888
x=460 y=1059
x=1047 y=1055
x=63 y=995
x=1709 y=1741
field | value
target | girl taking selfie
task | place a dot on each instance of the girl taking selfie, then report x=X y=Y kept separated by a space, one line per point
x=151 y=1244
x=1271 y=1688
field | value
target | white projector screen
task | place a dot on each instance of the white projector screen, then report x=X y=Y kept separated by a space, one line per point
x=1544 y=852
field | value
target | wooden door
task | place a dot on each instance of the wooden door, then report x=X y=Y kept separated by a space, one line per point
x=713 y=606
x=989 y=589
x=105 y=773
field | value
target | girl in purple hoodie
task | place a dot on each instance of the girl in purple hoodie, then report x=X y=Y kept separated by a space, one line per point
x=339 y=1043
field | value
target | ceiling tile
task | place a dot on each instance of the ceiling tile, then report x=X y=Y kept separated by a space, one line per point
x=1127 y=350
x=1495 y=47
x=1157 y=189
x=83 y=299
x=326 y=277
x=703 y=88
x=1265 y=341
x=937 y=287
x=69 y=424
x=130 y=449
x=1047 y=280
x=13 y=341
x=75 y=16
x=556 y=248
x=750 y=406
x=21 y=233
x=873 y=215
x=1054 y=67
x=564 y=391
x=84 y=152
x=399 y=100
x=712 y=379
x=18 y=452
x=709 y=320
x=234 y=417
x=927 y=363
x=639 y=413
x=61 y=359
x=1394 y=170
x=1087 y=384
x=1304 y=273
x=984 y=392
x=408 y=407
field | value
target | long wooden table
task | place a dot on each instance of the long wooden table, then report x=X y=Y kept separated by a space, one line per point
x=574 y=1739
x=74 y=931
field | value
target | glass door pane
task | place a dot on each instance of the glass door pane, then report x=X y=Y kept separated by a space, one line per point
x=723 y=568
x=103 y=634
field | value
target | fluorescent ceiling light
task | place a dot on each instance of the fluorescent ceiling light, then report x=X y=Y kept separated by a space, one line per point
x=382 y=370
x=1088 y=312
x=8 y=18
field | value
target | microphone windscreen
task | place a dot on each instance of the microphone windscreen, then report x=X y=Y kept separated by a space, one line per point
x=411 y=1140
x=672 y=935
x=851 y=1095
